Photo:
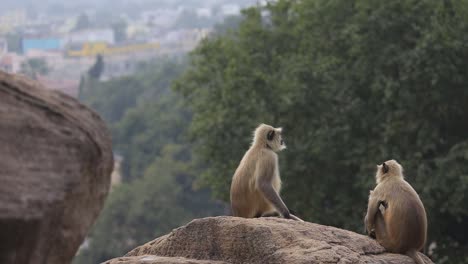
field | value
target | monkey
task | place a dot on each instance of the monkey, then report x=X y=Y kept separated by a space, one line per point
x=396 y=217
x=256 y=182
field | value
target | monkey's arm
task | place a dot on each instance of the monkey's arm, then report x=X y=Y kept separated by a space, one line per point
x=372 y=209
x=265 y=171
x=274 y=198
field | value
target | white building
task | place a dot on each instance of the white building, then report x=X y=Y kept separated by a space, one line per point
x=91 y=35
x=11 y=19
x=204 y=12
x=230 y=10
x=10 y=62
x=159 y=18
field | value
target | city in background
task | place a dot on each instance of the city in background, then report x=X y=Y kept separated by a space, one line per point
x=56 y=42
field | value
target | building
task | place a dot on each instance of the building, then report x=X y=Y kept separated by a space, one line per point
x=10 y=62
x=204 y=12
x=93 y=49
x=230 y=10
x=90 y=36
x=183 y=39
x=162 y=18
x=42 y=44
x=6 y=64
x=12 y=19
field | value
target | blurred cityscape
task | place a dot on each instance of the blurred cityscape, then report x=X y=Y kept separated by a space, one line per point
x=56 y=42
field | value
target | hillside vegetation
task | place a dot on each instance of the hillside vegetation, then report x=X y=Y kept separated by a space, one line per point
x=353 y=83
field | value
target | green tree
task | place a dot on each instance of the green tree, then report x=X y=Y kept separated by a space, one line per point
x=120 y=30
x=14 y=42
x=149 y=207
x=146 y=129
x=96 y=70
x=132 y=106
x=148 y=123
x=353 y=84
x=34 y=67
x=82 y=22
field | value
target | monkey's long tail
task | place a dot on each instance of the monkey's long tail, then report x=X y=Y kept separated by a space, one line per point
x=415 y=256
x=295 y=218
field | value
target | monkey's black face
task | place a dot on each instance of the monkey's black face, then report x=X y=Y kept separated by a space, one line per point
x=275 y=140
x=384 y=168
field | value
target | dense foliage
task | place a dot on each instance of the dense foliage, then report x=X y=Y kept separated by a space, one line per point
x=353 y=83
x=148 y=124
x=34 y=67
x=96 y=70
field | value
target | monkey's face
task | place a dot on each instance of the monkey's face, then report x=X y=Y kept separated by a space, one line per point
x=382 y=169
x=275 y=139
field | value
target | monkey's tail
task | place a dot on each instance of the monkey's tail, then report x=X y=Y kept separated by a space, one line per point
x=415 y=256
x=295 y=218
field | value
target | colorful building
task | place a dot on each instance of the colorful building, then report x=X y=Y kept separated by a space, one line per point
x=93 y=49
x=44 y=44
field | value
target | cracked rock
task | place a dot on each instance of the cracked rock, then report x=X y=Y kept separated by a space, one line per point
x=262 y=240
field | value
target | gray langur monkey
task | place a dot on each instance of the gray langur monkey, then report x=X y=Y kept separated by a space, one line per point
x=256 y=183
x=395 y=214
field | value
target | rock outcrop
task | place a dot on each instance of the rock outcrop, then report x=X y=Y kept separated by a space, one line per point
x=264 y=240
x=55 y=166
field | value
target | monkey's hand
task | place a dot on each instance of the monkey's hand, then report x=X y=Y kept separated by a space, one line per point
x=369 y=229
x=287 y=215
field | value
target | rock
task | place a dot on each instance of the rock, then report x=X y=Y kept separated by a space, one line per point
x=262 y=240
x=55 y=166
x=151 y=259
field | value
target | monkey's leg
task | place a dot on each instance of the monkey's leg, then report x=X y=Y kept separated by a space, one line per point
x=271 y=214
x=381 y=231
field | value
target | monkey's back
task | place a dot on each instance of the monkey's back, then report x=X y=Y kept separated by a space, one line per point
x=246 y=199
x=404 y=219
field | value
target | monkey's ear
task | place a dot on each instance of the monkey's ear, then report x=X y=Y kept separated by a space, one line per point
x=270 y=135
x=384 y=167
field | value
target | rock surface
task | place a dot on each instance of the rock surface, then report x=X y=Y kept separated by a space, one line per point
x=265 y=240
x=55 y=166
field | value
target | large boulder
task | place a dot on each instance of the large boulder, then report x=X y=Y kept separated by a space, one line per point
x=55 y=166
x=262 y=240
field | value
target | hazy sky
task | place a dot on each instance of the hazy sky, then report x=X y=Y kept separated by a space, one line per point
x=45 y=4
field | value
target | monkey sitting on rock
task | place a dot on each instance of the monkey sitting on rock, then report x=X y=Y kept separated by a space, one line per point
x=395 y=213
x=256 y=182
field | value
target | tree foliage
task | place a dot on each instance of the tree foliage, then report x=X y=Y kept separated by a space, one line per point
x=353 y=84
x=120 y=30
x=14 y=42
x=82 y=22
x=34 y=67
x=96 y=70
x=148 y=123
